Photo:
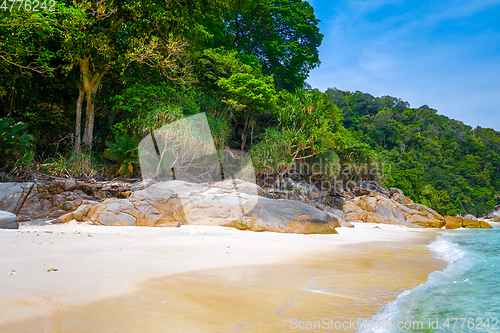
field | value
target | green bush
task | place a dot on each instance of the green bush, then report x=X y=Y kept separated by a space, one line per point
x=221 y=131
x=13 y=144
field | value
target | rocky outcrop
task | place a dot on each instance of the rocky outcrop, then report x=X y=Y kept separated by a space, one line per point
x=476 y=224
x=307 y=193
x=367 y=202
x=8 y=220
x=52 y=197
x=374 y=207
x=297 y=206
x=455 y=222
x=231 y=203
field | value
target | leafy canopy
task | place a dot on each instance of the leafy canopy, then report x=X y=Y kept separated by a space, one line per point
x=282 y=34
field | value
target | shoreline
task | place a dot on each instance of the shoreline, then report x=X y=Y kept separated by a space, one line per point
x=175 y=273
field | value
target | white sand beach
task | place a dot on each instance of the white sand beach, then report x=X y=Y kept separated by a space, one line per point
x=77 y=277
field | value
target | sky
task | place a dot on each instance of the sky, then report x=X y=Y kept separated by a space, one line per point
x=445 y=54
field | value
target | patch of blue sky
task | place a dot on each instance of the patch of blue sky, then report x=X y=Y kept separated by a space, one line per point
x=445 y=54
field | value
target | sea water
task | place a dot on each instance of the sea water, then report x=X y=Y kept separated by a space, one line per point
x=464 y=297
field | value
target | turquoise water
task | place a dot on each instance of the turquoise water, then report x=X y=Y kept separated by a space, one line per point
x=465 y=297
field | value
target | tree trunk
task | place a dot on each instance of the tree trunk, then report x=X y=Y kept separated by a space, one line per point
x=78 y=131
x=89 y=124
x=244 y=133
x=251 y=135
x=90 y=82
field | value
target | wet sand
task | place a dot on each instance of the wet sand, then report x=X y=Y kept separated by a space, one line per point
x=341 y=284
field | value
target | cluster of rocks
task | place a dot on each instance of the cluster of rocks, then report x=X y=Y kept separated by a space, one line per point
x=368 y=202
x=230 y=203
x=469 y=221
x=291 y=206
x=390 y=207
x=53 y=197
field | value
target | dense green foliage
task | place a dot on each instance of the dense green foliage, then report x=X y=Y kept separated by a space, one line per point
x=310 y=133
x=436 y=161
x=92 y=52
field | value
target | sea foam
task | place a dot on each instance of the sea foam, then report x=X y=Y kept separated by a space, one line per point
x=408 y=305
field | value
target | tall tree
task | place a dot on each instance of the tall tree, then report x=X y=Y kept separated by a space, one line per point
x=118 y=33
x=282 y=34
x=240 y=81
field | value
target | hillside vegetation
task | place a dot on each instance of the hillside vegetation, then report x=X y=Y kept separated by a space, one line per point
x=436 y=161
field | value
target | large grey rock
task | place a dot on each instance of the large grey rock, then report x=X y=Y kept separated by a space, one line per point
x=13 y=195
x=8 y=220
x=285 y=216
